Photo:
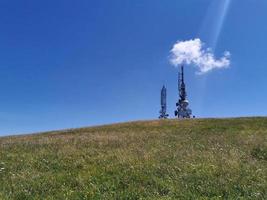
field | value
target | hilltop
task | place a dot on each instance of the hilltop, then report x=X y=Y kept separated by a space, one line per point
x=167 y=159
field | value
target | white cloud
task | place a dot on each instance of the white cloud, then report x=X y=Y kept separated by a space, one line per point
x=193 y=52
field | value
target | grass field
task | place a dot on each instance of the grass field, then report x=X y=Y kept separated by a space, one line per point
x=169 y=159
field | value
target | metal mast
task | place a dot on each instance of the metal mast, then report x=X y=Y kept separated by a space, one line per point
x=163 y=102
x=182 y=105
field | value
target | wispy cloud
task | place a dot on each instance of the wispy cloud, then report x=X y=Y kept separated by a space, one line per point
x=192 y=52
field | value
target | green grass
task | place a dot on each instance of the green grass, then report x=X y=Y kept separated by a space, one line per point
x=169 y=159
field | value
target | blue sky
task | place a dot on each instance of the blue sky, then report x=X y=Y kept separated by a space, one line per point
x=80 y=63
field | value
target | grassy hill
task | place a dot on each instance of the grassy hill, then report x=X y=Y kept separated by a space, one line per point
x=169 y=159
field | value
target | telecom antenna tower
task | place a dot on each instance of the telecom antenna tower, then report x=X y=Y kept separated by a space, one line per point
x=163 y=102
x=182 y=105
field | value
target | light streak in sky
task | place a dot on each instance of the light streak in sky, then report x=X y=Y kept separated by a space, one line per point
x=214 y=21
x=210 y=32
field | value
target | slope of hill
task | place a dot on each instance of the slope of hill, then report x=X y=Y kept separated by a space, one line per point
x=169 y=159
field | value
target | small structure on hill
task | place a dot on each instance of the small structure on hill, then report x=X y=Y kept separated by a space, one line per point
x=163 y=102
x=183 y=111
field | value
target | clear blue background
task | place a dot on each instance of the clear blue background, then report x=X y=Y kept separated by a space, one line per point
x=79 y=63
